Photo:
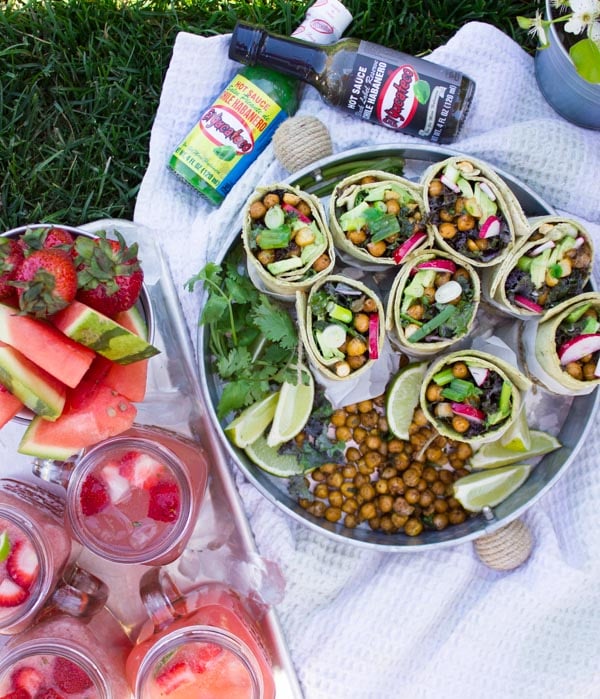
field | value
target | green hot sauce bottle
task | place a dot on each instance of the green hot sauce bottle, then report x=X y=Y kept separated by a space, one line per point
x=240 y=123
x=372 y=82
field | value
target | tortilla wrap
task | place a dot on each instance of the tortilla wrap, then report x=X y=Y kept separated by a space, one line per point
x=541 y=354
x=544 y=238
x=306 y=322
x=520 y=384
x=302 y=276
x=473 y=174
x=351 y=192
x=398 y=324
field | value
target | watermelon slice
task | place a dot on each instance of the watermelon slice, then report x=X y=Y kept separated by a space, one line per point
x=9 y=405
x=102 y=334
x=45 y=346
x=130 y=380
x=104 y=414
x=34 y=387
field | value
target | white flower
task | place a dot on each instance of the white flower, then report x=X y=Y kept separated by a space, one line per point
x=585 y=12
x=594 y=33
x=537 y=27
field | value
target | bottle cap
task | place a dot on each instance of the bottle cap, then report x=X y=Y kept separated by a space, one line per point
x=324 y=23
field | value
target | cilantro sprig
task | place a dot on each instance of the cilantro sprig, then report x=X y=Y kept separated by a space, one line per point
x=252 y=339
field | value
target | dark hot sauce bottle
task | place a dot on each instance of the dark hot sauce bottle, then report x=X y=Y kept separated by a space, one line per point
x=371 y=82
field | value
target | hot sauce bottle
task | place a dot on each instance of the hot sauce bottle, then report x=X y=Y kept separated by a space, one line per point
x=378 y=84
x=238 y=126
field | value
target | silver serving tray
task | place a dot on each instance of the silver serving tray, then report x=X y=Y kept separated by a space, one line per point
x=222 y=544
x=579 y=412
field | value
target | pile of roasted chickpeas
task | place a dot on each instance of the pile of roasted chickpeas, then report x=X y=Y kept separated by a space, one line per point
x=395 y=486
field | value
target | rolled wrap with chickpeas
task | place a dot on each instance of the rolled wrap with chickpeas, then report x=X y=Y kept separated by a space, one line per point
x=551 y=264
x=377 y=218
x=472 y=396
x=342 y=326
x=432 y=304
x=287 y=242
x=562 y=351
x=474 y=213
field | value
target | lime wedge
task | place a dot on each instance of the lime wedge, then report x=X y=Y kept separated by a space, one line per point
x=493 y=454
x=4 y=546
x=271 y=461
x=489 y=488
x=253 y=421
x=518 y=436
x=402 y=398
x=293 y=409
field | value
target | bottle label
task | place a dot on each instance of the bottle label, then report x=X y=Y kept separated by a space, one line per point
x=230 y=134
x=416 y=97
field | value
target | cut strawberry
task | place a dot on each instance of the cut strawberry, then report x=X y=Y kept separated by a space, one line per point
x=93 y=497
x=48 y=694
x=70 y=677
x=141 y=470
x=118 y=486
x=11 y=594
x=164 y=502
x=202 y=655
x=22 y=564
x=27 y=678
x=174 y=677
x=17 y=694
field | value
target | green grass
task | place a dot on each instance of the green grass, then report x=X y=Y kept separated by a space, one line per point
x=81 y=80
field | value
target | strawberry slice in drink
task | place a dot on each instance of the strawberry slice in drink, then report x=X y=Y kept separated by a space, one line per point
x=140 y=469
x=27 y=678
x=175 y=677
x=22 y=564
x=11 y=594
x=23 y=694
x=69 y=677
x=93 y=497
x=165 y=502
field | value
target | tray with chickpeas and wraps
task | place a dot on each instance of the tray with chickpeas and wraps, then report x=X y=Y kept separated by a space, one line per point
x=388 y=399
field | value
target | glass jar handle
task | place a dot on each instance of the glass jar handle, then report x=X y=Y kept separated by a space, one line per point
x=163 y=600
x=79 y=594
x=53 y=471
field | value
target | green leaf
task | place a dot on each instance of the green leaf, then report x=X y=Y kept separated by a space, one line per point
x=213 y=310
x=234 y=362
x=585 y=54
x=275 y=323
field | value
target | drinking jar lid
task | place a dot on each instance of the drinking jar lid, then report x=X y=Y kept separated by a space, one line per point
x=324 y=23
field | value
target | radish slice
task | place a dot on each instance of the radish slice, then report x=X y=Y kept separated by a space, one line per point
x=470 y=412
x=373 y=336
x=450 y=184
x=479 y=374
x=448 y=292
x=438 y=265
x=289 y=209
x=408 y=246
x=578 y=242
x=548 y=245
x=487 y=190
x=490 y=227
x=528 y=304
x=578 y=347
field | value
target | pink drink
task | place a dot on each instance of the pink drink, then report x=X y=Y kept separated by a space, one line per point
x=34 y=550
x=63 y=657
x=213 y=652
x=134 y=498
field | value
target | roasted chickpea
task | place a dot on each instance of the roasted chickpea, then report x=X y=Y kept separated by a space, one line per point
x=575 y=370
x=433 y=392
x=369 y=305
x=361 y=322
x=436 y=188
x=447 y=230
x=413 y=527
x=416 y=311
x=333 y=514
x=460 y=424
x=321 y=490
x=457 y=516
x=265 y=257
x=343 y=434
x=396 y=485
x=412 y=496
x=257 y=210
x=335 y=480
x=322 y=262
x=356 y=347
x=367 y=511
x=377 y=249
x=357 y=237
x=350 y=521
x=356 y=362
x=336 y=499
x=440 y=521
x=304 y=236
x=393 y=207
x=465 y=222
x=350 y=505
x=271 y=199
x=460 y=370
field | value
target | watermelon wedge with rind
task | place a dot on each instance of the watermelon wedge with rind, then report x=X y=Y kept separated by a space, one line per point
x=130 y=379
x=102 y=334
x=105 y=415
x=45 y=346
x=9 y=406
x=34 y=387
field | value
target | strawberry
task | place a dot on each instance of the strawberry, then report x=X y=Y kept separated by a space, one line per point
x=118 y=486
x=46 y=282
x=11 y=258
x=141 y=470
x=55 y=237
x=11 y=594
x=17 y=694
x=109 y=275
x=27 y=678
x=48 y=694
x=174 y=677
x=70 y=677
x=198 y=656
x=164 y=504
x=93 y=497
x=22 y=564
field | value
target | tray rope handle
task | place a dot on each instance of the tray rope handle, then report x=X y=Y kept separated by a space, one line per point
x=507 y=548
x=300 y=141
